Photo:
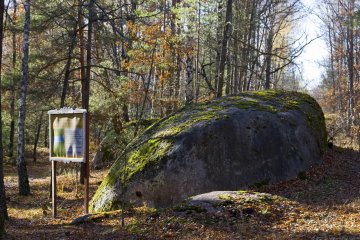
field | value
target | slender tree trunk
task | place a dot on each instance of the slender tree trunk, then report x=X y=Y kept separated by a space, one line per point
x=24 y=187
x=174 y=58
x=177 y=80
x=178 y=67
x=85 y=90
x=228 y=86
x=85 y=83
x=246 y=60
x=350 y=45
x=82 y=70
x=46 y=132
x=236 y=81
x=12 y=123
x=72 y=36
x=224 y=47
x=37 y=135
x=13 y=87
x=268 y=58
x=147 y=87
x=3 y=208
x=197 y=85
x=254 y=40
x=332 y=68
x=81 y=42
x=189 y=95
x=125 y=112
x=219 y=38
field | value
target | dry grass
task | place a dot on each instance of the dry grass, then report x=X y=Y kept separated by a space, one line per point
x=323 y=204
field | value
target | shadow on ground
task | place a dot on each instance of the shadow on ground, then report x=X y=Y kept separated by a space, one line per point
x=335 y=181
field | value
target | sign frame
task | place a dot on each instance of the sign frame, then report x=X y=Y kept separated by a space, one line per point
x=68 y=111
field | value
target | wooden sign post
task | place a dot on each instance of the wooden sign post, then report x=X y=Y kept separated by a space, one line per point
x=69 y=142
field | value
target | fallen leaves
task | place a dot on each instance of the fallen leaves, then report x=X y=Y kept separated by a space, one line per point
x=323 y=203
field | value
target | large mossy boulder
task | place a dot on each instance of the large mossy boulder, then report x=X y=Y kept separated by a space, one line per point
x=222 y=144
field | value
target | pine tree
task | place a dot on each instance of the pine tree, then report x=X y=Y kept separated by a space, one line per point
x=24 y=187
x=3 y=208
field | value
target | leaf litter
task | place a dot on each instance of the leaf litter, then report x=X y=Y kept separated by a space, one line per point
x=323 y=203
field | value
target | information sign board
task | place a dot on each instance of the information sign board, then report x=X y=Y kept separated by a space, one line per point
x=67 y=135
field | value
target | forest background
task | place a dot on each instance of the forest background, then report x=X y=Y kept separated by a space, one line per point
x=131 y=62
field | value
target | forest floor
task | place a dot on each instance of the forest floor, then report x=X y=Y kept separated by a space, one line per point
x=323 y=203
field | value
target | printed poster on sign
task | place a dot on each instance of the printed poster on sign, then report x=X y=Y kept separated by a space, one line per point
x=67 y=137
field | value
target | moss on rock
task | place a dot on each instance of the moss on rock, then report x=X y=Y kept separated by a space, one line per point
x=150 y=152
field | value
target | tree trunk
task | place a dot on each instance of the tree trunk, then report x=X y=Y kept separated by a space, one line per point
x=37 y=135
x=46 y=132
x=224 y=47
x=72 y=36
x=85 y=83
x=13 y=87
x=189 y=80
x=350 y=46
x=125 y=112
x=177 y=58
x=12 y=123
x=332 y=68
x=247 y=51
x=268 y=58
x=146 y=90
x=24 y=187
x=219 y=39
x=81 y=42
x=3 y=208
x=236 y=82
x=228 y=87
x=197 y=85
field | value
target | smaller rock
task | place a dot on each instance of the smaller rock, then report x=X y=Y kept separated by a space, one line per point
x=98 y=159
x=210 y=201
x=82 y=219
